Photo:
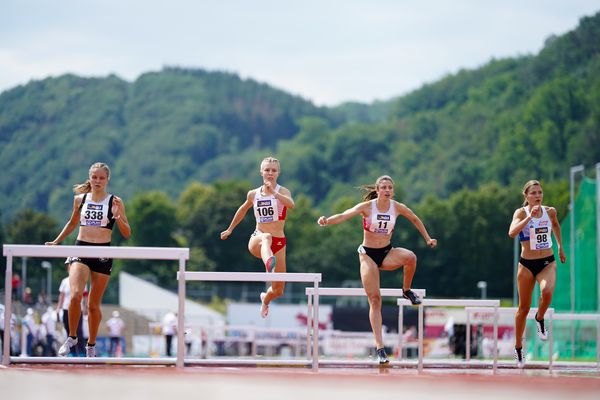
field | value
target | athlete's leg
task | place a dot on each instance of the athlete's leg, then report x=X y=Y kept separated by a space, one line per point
x=525 y=284
x=78 y=277
x=369 y=274
x=259 y=246
x=547 y=281
x=400 y=257
x=97 y=287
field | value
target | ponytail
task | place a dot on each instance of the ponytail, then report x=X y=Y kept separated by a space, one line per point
x=371 y=190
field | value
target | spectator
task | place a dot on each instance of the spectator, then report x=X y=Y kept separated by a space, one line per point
x=16 y=287
x=31 y=330
x=28 y=296
x=115 y=327
x=49 y=326
x=169 y=329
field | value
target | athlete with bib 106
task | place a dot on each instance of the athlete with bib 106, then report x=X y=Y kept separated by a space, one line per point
x=379 y=212
x=534 y=223
x=270 y=202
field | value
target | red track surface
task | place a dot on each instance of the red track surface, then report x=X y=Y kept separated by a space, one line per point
x=109 y=382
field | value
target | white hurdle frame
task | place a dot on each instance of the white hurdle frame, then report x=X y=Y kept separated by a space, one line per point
x=348 y=292
x=552 y=316
x=583 y=317
x=182 y=254
x=512 y=310
x=491 y=304
x=184 y=276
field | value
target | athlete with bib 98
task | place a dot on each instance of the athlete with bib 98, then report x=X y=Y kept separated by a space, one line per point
x=534 y=224
x=270 y=202
x=379 y=211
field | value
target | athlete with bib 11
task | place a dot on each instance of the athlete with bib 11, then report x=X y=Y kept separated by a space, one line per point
x=379 y=212
x=535 y=224
x=270 y=202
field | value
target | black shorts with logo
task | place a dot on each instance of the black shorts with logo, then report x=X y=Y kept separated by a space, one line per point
x=100 y=265
x=377 y=255
x=536 y=265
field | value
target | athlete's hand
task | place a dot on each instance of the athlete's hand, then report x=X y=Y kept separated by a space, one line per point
x=225 y=234
x=117 y=207
x=322 y=221
x=52 y=243
x=269 y=189
x=535 y=209
x=432 y=243
x=562 y=256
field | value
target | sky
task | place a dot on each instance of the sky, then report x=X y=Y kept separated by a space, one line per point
x=326 y=51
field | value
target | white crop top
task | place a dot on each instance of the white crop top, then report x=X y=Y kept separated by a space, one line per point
x=98 y=214
x=380 y=222
x=268 y=208
x=538 y=231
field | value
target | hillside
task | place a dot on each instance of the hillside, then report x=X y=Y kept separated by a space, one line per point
x=506 y=122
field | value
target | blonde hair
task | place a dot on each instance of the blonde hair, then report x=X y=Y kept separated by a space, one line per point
x=371 y=190
x=86 y=186
x=526 y=188
x=270 y=160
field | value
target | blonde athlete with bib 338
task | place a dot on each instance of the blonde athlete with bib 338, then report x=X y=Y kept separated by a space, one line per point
x=379 y=211
x=96 y=212
x=270 y=202
x=535 y=224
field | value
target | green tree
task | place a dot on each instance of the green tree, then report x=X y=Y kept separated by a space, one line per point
x=153 y=224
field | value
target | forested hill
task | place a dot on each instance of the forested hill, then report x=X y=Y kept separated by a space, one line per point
x=158 y=133
x=508 y=121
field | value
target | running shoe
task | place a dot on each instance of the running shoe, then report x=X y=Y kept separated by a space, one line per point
x=412 y=296
x=90 y=351
x=382 y=357
x=270 y=265
x=65 y=349
x=519 y=357
x=264 y=308
x=542 y=333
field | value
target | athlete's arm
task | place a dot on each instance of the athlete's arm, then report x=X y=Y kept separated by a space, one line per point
x=557 y=234
x=239 y=215
x=71 y=224
x=416 y=221
x=520 y=219
x=341 y=217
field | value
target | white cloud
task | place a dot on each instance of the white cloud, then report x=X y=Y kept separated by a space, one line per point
x=327 y=51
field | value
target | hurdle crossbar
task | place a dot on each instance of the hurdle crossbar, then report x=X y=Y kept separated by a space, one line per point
x=493 y=304
x=355 y=292
x=24 y=250
x=552 y=316
x=183 y=276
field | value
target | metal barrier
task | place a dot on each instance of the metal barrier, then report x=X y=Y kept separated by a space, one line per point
x=19 y=250
x=494 y=304
x=338 y=291
x=183 y=276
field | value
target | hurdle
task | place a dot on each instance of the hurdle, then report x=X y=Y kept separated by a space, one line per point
x=338 y=291
x=493 y=304
x=184 y=276
x=583 y=317
x=552 y=316
x=180 y=254
x=509 y=310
